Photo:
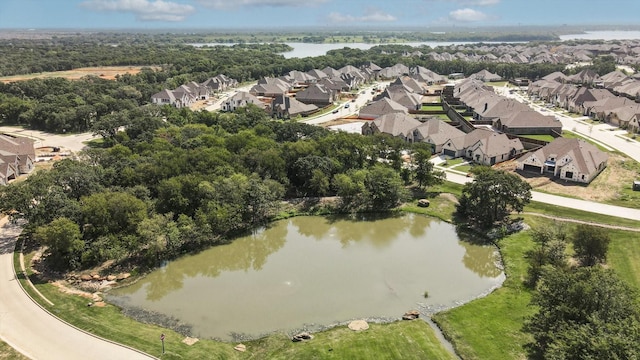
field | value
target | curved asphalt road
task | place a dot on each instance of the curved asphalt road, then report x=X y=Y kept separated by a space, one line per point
x=34 y=332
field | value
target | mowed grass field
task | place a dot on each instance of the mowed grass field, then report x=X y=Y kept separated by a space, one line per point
x=105 y=72
x=491 y=327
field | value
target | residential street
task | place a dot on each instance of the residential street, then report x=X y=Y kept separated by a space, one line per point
x=590 y=206
x=34 y=332
x=612 y=137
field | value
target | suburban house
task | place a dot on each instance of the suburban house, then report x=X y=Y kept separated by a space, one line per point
x=394 y=124
x=381 y=107
x=220 y=83
x=189 y=93
x=241 y=99
x=528 y=122
x=316 y=94
x=394 y=71
x=427 y=76
x=583 y=94
x=179 y=98
x=585 y=77
x=482 y=146
x=568 y=159
x=485 y=76
x=17 y=156
x=435 y=132
x=270 y=87
x=403 y=96
x=494 y=149
x=285 y=107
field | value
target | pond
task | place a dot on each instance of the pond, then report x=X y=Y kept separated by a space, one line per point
x=314 y=272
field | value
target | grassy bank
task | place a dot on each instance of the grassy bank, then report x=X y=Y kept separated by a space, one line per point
x=491 y=327
x=9 y=353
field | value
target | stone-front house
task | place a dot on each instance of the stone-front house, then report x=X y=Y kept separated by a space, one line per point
x=241 y=99
x=493 y=149
x=317 y=95
x=285 y=107
x=482 y=146
x=622 y=116
x=17 y=156
x=394 y=124
x=435 y=132
x=381 y=107
x=270 y=87
x=220 y=82
x=403 y=96
x=567 y=159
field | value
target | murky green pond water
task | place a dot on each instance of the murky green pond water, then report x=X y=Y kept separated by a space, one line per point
x=318 y=271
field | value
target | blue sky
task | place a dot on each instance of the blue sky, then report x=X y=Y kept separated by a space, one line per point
x=149 y=14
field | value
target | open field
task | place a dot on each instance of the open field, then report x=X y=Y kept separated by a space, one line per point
x=104 y=72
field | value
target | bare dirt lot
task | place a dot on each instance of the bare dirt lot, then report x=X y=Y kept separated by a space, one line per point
x=105 y=72
x=607 y=186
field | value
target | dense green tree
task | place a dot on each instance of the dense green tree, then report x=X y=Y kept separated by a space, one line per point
x=384 y=188
x=423 y=169
x=590 y=244
x=491 y=197
x=550 y=250
x=64 y=243
x=587 y=313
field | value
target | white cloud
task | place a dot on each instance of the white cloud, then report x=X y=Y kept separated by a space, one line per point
x=370 y=15
x=471 y=2
x=145 y=10
x=467 y=15
x=228 y=4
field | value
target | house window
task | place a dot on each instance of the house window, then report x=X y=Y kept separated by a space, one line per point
x=569 y=174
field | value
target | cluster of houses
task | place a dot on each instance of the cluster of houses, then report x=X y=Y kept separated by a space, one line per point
x=17 y=157
x=624 y=52
x=300 y=93
x=611 y=98
x=494 y=139
x=187 y=94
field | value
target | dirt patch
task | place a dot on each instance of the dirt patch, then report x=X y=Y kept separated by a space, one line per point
x=104 y=72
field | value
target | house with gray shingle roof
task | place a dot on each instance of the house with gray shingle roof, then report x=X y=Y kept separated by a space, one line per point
x=381 y=107
x=494 y=149
x=270 y=87
x=568 y=159
x=241 y=99
x=403 y=96
x=485 y=76
x=395 y=124
x=285 y=107
x=316 y=94
x=18 y=155
x=435 y=132
x=528 y=122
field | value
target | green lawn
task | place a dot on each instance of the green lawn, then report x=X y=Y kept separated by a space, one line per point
x=497 y=83
x=490 y=327
x=547 y=138
x=444 y=117
x=431 y=108
x=9 y=353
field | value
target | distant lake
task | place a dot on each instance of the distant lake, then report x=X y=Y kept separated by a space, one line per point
x=603 y=35
x=302 y=50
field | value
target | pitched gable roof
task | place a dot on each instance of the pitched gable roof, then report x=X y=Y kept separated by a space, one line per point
x=381 y=107
x=396 y=124
x=586 y=157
